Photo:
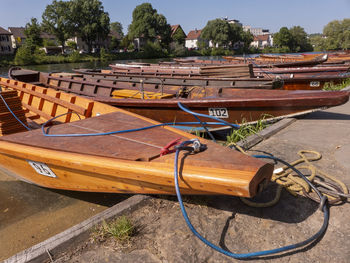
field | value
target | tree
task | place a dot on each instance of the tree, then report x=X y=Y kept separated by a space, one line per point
x=32 y=32
x=149 y=25
x=89 y=20
x=337 y=34
x=218 y=31
x=118 y=28
x=300 y=41
x=179 y=36
x=283 y=38
x=56 y=21
x=221 y=33
x=247 y=38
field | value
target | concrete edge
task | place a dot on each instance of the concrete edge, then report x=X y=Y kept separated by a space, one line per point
x=60 y=242
x=254 y=139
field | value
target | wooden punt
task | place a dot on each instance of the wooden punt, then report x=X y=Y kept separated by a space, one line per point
x=119 y=163
x=185 y=81
x=234 y=71
x=306 y=78
x=262 y=62
x=232 y=105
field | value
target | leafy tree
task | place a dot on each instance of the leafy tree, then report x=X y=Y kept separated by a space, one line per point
x=32 y=32
x=318 y=42
x=118 y=28
x=247 y=38
x=337 y=34
x=218 y=31
x=89 y=20
x=149 y=25
x=300 y=41
x=56 y=21
x=126 y=41
x=283 y=39
x=72 y=45
x=221 y=33
x=179 y=36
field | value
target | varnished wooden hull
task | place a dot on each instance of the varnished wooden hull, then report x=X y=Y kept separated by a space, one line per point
x=121 y=163
x=243 y=105
x=233 y=105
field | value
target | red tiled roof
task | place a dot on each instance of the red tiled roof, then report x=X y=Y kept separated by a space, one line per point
x=261 y=38
x=3 y=31
x=194 y=34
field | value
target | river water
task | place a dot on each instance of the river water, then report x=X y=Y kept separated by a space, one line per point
x=68 y=67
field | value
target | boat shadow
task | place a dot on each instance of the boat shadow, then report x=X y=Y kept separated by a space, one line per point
x=326 y=115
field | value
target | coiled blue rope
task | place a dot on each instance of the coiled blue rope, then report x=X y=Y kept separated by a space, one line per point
x=324 y=207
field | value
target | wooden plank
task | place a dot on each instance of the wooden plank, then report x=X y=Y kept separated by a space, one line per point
x=63 y=103
x=36 y=111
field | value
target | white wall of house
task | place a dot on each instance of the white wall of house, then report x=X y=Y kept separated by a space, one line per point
x=264 y=43
x=191 y=43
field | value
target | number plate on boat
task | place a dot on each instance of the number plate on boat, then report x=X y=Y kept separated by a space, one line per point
x=42 y=169
x=218 y=112
x=314 y=84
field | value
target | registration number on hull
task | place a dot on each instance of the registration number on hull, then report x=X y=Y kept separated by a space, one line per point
x=218 y=112
x=42 y=169
x=315 y=84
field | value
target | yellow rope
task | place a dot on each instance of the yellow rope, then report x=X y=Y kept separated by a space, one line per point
x=293 y=183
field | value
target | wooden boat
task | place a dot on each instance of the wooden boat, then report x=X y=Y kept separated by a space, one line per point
x=118 y=163
x=232 y=105
x=177 y=81
x=261 y=62
x=304 y=71
x=233 y=71
x=313 y=80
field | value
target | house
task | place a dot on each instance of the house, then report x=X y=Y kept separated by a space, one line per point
x=5 y=42
x=178 y=36
x=97 y=44
x=192 y=39
x=18 y=37
x=256 y=31
x=48 y=39
x=262 y=41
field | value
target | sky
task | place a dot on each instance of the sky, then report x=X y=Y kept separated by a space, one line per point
x=312 y=15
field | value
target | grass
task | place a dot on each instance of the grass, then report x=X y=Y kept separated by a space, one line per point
x=246 y=130
x=332 y=86
x=121 y=229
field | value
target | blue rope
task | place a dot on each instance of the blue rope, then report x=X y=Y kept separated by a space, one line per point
x=220 y=122
x=324 y=206
x=14 y=115
x=182 y=107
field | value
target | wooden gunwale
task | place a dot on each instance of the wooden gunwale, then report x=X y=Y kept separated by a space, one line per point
x=248 y=83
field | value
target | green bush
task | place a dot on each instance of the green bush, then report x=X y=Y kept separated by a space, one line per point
x=74 y=56
x=103 y=55
x=24 y=56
